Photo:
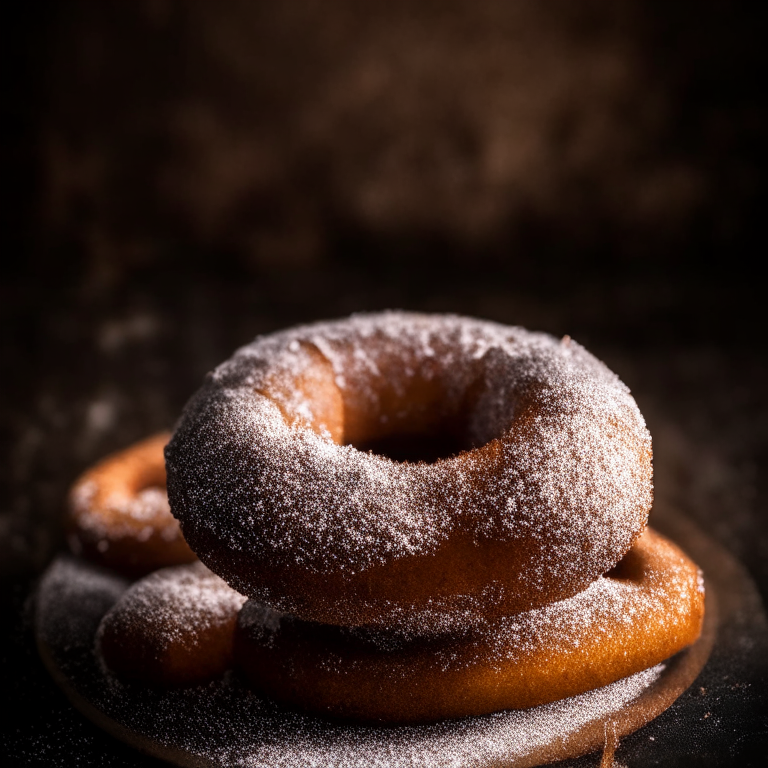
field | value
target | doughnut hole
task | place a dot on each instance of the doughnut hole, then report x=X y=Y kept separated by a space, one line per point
x=401 y=407
x=307 y=393
x=410 y=408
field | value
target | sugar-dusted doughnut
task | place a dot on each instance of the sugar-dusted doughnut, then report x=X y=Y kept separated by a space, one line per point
x=173 y=627
x=118 y=513
x=541 y=481
x=645 y=610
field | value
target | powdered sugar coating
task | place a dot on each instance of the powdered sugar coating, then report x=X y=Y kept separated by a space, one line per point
x=561 y=474
x=646 y=610
x=118 y=512
x=174 y=601
x=173 y=627
x=140 y=515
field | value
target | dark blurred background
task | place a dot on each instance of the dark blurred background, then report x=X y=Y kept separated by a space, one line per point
x=179 y=177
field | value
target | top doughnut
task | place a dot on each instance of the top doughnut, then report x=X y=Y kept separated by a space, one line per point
x=541 y=480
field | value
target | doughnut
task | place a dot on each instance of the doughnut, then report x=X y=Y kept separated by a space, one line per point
x=424 y=521
x=172 y=628
x=226 y=722
x=427 y=472
x=639 y=614
x=118 y=513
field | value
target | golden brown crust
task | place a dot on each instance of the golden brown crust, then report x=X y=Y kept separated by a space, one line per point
x=647 y=609
x=118 y=514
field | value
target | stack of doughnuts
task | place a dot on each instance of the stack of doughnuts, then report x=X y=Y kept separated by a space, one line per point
x=430 y=517
x=175 y=624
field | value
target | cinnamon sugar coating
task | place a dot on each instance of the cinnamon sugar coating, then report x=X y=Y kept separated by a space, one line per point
x=647 y=609
x=118 y=513
x=546 y=486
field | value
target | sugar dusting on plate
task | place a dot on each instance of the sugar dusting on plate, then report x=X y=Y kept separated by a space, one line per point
x=224 y=724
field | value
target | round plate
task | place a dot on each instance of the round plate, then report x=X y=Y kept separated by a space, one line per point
x=226 y=724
